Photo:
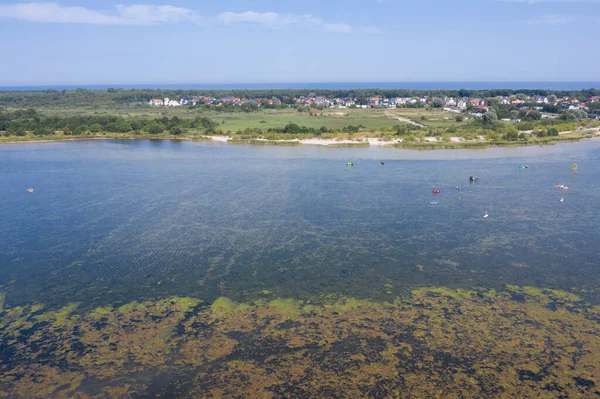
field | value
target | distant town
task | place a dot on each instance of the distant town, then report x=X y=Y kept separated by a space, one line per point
x=473 y=106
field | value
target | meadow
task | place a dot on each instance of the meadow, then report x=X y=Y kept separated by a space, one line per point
x=372 y=119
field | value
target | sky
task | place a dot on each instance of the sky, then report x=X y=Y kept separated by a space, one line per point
x=102 y=42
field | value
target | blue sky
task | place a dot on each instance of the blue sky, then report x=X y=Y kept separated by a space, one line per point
x=183 y=41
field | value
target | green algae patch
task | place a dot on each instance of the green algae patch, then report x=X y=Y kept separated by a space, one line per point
x=223 y=306
x=185 y=303
x=457 y=294
x=101 y=311
x=36 y=307
x=286 y=307
x=438 y=342
x=60 y=317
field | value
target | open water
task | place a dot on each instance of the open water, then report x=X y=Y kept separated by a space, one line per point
x=115 y=221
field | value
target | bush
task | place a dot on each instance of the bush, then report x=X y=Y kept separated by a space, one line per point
x=96 y=128
x=176 y=131
x=292 y=128
x=155 y=128
x=511 y=136
x=80 y=130
x=42 y=132
x=459 y=118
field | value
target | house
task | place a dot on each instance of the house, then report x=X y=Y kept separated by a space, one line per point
x=156 y=101
x=171 y=103
x=461 y=104
x=449 y=102
x=593 y=99
x=504 y=101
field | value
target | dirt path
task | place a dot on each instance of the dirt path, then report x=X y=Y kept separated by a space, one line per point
x=402 y=119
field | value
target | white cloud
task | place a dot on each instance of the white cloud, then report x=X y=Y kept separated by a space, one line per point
x=342 y=28
x=140 y=14
x=137 y=14
x=271 y=19
x=553 y=19
x=274 y=20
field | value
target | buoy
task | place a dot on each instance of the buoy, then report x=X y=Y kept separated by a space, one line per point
x=436 y=191
x=521 y=166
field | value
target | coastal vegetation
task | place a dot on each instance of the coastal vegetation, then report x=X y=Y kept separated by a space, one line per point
x=438 y=342
x=79 y=114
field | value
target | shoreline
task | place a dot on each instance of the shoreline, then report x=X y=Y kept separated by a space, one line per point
x=454 y=143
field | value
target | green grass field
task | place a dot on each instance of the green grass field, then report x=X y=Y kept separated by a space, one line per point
x=371 y=119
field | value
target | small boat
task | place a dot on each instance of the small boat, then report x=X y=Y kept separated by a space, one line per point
x=350 y=164
x=485 y=215
x=30 y=190
x=562 y=199
x=436 y=191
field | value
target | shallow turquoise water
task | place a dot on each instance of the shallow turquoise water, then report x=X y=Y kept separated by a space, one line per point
x=113 y=221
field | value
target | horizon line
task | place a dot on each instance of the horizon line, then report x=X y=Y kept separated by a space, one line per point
x=304 y=82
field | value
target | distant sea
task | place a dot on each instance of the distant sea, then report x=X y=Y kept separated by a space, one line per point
x=328 y=86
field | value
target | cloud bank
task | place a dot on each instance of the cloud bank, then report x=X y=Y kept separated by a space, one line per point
x=137 y=14
x=553 y=19
x=140 y=14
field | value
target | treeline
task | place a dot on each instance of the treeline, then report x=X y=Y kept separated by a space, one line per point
x=112 y=97
x=20 y=122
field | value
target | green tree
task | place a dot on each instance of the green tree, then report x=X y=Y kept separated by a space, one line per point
x=155 y=128
x=176 y=131
x=533 y=115
x=249 y=106
x=292 y=128
x=81 y=129
x=42 y=131
x=95 y=128
x=490 y=119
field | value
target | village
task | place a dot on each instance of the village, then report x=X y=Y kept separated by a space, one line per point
x=472 y=106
